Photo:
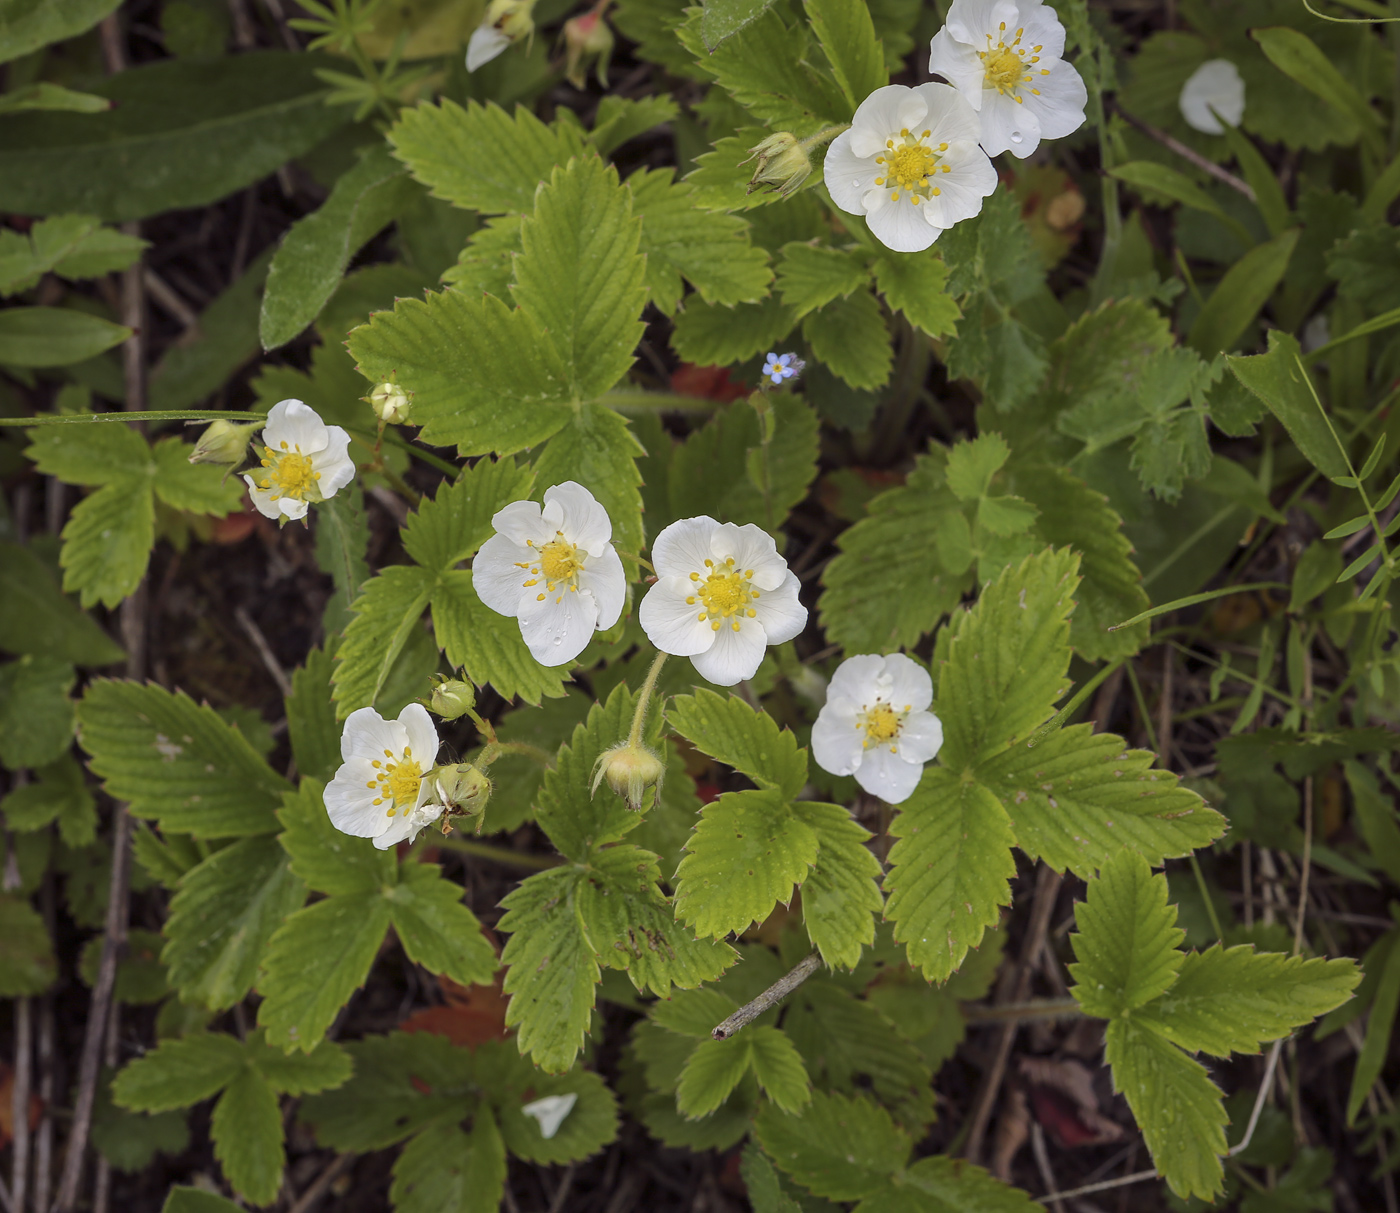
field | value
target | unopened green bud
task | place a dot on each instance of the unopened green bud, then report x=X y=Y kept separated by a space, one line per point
x=630 y=771
x=223 y=442
x=462 y=790
x=783 y=164
x=452 y=698
x=586 y=37
x=391 y=404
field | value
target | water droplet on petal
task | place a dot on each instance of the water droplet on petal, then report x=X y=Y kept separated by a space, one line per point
x=1017 y=137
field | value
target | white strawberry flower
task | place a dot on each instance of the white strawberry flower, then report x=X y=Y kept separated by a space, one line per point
x=380 y=791
x=555 y=570
x=303 y=460
x=876 y=725
x=1004 y=56
x=722 y=596
x=1214 y=86
x=910 y=164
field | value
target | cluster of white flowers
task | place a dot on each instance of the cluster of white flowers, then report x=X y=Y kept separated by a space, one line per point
x=916 y=160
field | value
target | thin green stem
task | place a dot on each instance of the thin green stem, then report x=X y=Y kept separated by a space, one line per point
x=146 y=415
x=1142 y=705
x=1206 y=897
x=526 y=750
x=501 y=855
x=639 y=714
x=825 y=135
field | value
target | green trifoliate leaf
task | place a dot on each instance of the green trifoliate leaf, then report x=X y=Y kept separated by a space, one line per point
x=200 y=488
x=222 y=917
x=328 y=860
x=553 y=970
x=315 y=962
x=177 y=762
x=949 y=871
x=445 y=1169
x=486 y=263
x=60 y=793
x=765 y=68
x=850 y=336
x=27 y=965
x=889 y=585
x=36 y=715
x=1233 y=1000
x=311 y=261
x=713 y=1070
x=598 y=450
x=709 y=249
x=72 y=246
x=949 y=1185
x=745 y=856
x=619 y=119
x=247 y=1130
x=1001 y=666
x=764 y=1188
x=810 y=276
x=436 y=929
x=107 y=542
x=915 y=286
x=580 y=274
x=709 y=334
x=511 y=1082
x=179 y=1072
x=481 y=158
x=725 y=470
x=1128 y=939
x=39 y=619
x=839 y=1148
x=387 y=610
x=487 y=646
x=778 y=1067
x=1102 y=350
x=1077 y=798
x=751 y=742
x=842 y=895
x=462 y=355
x=847 y=35
x=450 y=527
x=311 y=723
x=327 y=1066
x=971 y=465
x=1180 y=1111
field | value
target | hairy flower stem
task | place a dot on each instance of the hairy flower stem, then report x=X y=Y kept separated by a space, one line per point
x=639 y=714
x=825 y=135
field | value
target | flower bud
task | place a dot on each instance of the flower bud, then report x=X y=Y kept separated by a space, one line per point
x=462 y=789
x=783 y=164
x=391 y=404
x=452 y=698
x=584 y=36
x=223 y=442
x=629 y=770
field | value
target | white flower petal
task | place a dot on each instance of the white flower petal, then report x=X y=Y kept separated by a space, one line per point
x=920 y=737
x=422 y=736
x=733 y=656
x=558 y=628
x=672 y=624
x=752 y=548
x=497 y=576
x=971 y=21
x=970 y=179
x=521 y=521
x=836 y=738
x=297 y=425
x=484 y=45
x=1215 y=85
x=847 y=175
x=855 y=677
x=366 y=734
x=1043 y=29
x=1008 y=127
x=908 y=683
x=683 y=547
x=262 y=498
x=882 y=115
x=779 y=611
x=959 y=64
x=350 y=802
x=604 y=577
x=585 y=522
x=901 y=227
x=951 y=119
x=334 y=464
x=551 y=1111
x=888 y=776
x=1059 y=103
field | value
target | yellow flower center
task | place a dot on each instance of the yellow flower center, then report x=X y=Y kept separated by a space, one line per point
x=397 y=782
x=290 y=474
x=882 y=725
x=725 y=593
x=909 y=163
x=558 y=564
x=1006 y=67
